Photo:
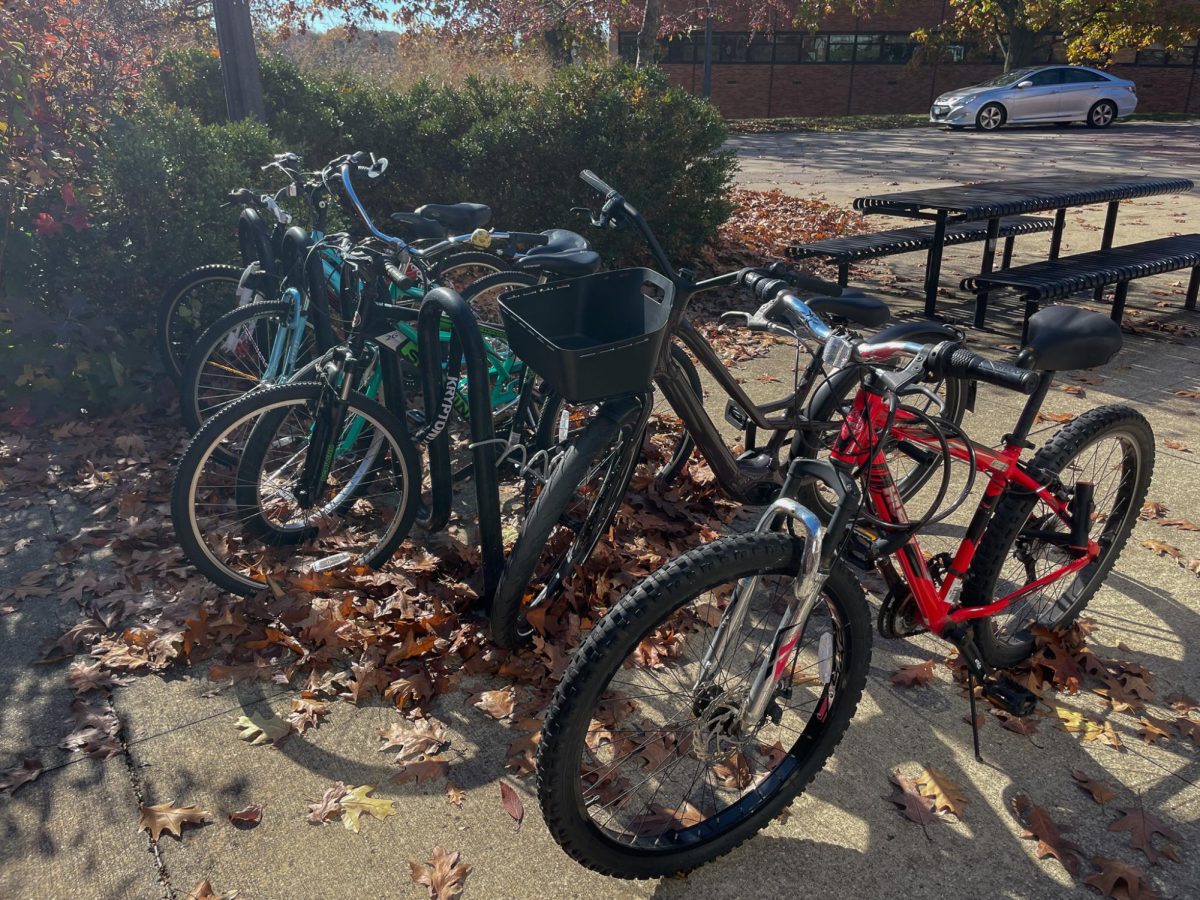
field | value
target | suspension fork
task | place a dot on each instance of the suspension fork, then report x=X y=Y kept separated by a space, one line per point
x=323 y=444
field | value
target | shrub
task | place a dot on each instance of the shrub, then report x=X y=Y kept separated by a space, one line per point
x=81 y=302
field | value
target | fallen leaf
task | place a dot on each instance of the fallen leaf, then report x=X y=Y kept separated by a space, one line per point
x=1100 y=791
x=946 y=795
x=28 y=770
x=497 y=704
x=422 y=769
x=1182 y=702
x=414 y=741
x=512 y=804
x=1152 y=730
x=919 y=675
x=249 y=817
x=259 y=729
x=356 y=803
x=455 y=795
x=165 y=817
x=1162 y=548
x=1176 y=445
x=1038 y=824
x=329 y=806
x=1188 y=728
x=1142 y=827
x=1153 y=509
x=910 y=802
x=443 y=875
x=1118 y=880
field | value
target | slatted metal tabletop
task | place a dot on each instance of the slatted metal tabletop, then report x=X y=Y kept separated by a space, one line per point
x=993 y=200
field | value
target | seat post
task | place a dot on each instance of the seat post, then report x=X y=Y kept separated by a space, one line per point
x=1020 y=434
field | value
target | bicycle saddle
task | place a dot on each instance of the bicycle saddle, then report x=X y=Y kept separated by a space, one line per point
x=419 y=228
x=862 y=309
x=564 y=253
x=458 y=217
x=1067 y=337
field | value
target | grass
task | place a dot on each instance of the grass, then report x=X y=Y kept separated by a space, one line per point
x=885 y=122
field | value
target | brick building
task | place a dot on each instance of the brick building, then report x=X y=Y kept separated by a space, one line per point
x=854 y=65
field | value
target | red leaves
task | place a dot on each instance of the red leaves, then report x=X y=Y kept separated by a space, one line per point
x=1037 y=824
x=919 y=675
x=1143 y=827
x=512 y=804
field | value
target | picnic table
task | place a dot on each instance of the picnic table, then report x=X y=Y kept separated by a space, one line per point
x=994 y=200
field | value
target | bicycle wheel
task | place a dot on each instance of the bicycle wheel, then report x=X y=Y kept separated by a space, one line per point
x=196 y=300
x=239 y=527
x=1112 y=447
x=585 y=481
x=483 y=295
x=909 y=472
x=459 y=269
x=645 y=768
x=235 y=354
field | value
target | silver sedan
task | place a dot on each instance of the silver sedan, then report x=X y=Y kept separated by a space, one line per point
x=1038 y=94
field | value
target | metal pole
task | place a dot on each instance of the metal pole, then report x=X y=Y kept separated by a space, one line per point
x=706 y=90
x=239 y=61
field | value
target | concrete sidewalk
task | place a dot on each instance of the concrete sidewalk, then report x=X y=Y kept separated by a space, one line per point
x=72 y=833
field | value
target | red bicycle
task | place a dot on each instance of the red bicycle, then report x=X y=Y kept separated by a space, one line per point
x=712 y=693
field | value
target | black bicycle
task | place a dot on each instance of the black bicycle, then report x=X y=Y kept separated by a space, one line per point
x=607 y=339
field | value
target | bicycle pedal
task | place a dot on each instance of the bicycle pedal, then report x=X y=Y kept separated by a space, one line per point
x=1010 y=696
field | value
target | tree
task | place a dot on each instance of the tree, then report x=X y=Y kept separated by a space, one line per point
x=1093 y=30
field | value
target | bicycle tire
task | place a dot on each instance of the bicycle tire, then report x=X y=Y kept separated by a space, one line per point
x=172 y=351
x=191 y=407
x=489 y=282
x=1015 y=508
x=184 y=489
x=454 y=257
x=611 y=427
x=609 y=645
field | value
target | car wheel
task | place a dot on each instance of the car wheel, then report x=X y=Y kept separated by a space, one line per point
x=1102 y=114
x=990 y=117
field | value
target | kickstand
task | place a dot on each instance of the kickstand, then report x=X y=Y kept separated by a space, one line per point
x=974 y=720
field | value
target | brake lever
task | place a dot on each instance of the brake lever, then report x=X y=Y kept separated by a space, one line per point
x=926 y=392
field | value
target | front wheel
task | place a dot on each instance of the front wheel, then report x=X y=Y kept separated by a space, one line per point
x=582 y=491
x=645 y=767
x=990 y=117
x=242 y=526
x=1113 y=448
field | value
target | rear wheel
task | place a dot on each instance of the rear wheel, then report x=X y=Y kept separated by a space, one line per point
x=1112 y=447
x=645 y=768
x=991 y=117
x=1101 y=114
x=196 y=300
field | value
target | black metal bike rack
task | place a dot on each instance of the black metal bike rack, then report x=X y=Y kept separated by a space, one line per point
x=466 y=344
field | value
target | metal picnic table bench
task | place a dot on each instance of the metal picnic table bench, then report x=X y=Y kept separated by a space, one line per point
x=993 y=201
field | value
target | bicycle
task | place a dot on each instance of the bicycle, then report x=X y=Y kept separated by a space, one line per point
x=735 y=669
x=594 y=465
x=268 y=512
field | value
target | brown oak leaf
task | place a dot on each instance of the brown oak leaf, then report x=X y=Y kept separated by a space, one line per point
x=946 y=795
x=497 y=704
x=329 y=806
x=910 y=802
x=422 y=769
x=443 y=875
x=1182 y=702
x=248 y=817
x=1100 y=791
x=12 y=779
x=1152 y=730
x=455 y=795
x=919 y=675
x=1188 y=728
x=164 y=817
x=1142 y=827
x=1118 y=880
x=1038 y=824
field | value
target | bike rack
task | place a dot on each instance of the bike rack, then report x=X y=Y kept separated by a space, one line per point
x=467 y=343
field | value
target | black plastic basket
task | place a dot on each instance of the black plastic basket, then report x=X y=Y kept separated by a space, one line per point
x=593 y=337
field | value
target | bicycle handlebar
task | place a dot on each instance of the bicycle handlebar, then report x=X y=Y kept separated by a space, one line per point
x=954 y=360
x=596 y=182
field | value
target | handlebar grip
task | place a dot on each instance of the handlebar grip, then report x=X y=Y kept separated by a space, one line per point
x=764 y=285
x=595 y=182
x=393 y=274
x=950 y=359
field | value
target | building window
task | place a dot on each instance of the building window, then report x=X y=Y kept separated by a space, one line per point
x=1155 y=55
x=897 y=49
x=685 y=48
x=841 y=48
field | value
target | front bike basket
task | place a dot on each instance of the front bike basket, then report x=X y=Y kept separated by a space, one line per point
x=593 y=337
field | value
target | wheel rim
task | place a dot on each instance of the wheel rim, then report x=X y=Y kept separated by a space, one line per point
x=664 y=763
x=248 y=543
x=1102 y=115
x=989 y=118
x=1112 y=463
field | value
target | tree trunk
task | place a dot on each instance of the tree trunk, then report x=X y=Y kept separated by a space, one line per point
x=558 y=45
x=239 y=60
x=1021 y=42
x=648 y=36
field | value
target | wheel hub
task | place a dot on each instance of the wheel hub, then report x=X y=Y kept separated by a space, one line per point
x=717 y=731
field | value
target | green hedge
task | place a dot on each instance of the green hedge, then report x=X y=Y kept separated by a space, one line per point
x=81 y=303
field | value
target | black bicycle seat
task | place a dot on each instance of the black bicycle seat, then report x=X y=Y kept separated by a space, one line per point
x=567 y=263
x=862 y=309
x=419 y=228
x=458 y=217
x=558 y=240
x=1062 y=338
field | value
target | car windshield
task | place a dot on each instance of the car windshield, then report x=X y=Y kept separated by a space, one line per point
x=1007 y=78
